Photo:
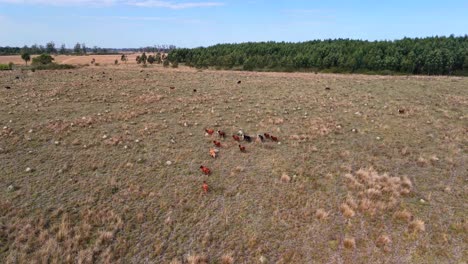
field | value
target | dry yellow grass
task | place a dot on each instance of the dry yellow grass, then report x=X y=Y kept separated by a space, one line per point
x=285 y=178
x=417 y=226
x=227 y=259
x=76 y=60
x=403 y=215
x=321 y=214
x=347 y=211
x=383 y=240
x=103 y=164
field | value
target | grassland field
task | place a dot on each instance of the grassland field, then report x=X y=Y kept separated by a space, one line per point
x=101 y=165
x=76 y=60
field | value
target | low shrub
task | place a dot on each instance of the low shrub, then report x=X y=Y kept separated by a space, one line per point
x=53 y=66
x=42 y=59
x=5 y=67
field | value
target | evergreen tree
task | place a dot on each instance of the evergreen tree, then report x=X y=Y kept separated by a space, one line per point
x=63 y=49
x=77 y=48
x=50 y=48
x=26 y=57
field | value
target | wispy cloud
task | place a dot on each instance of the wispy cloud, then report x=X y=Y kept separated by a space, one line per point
x=143 y=18
x=61 y=2
x=138 y=3
x=173 y=5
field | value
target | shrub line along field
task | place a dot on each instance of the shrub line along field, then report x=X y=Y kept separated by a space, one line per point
x=102 y=165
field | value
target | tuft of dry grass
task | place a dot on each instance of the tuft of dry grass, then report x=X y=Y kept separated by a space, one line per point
x=227 y=259
x=106 y=236
x=422 y=162
x=375 y=193
x=321 y=214
x=403 y=215
x=197 y=259
x=140 y=217
x=405 y=151
x=434 y=159
x=349 y=243
x=237 y=170
x=383 y=240
x=285 y=178
x=416 y=226
x=175 y=261
x=347 y=211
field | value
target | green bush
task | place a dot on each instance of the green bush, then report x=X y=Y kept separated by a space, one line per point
x=53 y=66
x=175 y=64
x=4 y=67
x=42 y=59
x=151 y=59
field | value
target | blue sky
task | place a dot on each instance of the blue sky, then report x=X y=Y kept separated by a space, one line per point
x=191 y=23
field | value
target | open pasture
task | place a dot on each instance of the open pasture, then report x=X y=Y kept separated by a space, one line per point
x=102 y=164
x=75 y=60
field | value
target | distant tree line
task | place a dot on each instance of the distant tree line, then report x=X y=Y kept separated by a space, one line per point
x=158 y=58
x=78 y=49
x=432 y=55
x=154 y=49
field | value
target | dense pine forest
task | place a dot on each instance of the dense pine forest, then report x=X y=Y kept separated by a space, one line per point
x=432 y=56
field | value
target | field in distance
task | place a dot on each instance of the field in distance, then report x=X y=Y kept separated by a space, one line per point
x=75 y=60
x=102 y=164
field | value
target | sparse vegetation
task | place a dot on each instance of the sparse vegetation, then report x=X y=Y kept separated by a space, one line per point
x=5 y=67
x=102 y=164
x=54 y=66
x=124 y=58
